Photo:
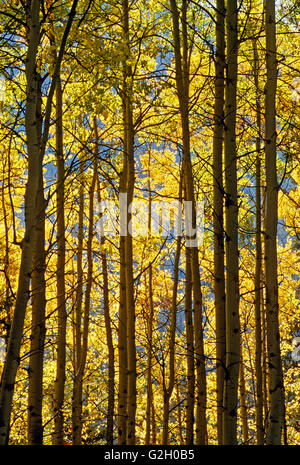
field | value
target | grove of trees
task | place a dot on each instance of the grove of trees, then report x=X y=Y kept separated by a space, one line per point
x=149 y=222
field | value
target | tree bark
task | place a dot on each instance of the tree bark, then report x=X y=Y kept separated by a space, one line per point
x=149 y=360
x=258 y=262
x=8 y=291
x=168 y=390
x=38 y=331
x=107 y=320
x=189 y=330
x=130 y=305
x=180 y=426
x=232 y=252
x=275 y=420
x=218 y=189
x=122 y=328
x=77 y=383
x=243 y=401
x=149 y=324
x=111 y=356
x=59 y=384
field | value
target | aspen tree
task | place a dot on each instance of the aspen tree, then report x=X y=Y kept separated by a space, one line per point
x=111 y=357
x=38 y=331
x=8 y=291
x=182 y=86
x=149 y=360
x=28 y=242
x=107 y=317
x=258 y=261
x=79 y=269
x=168 y=389
x=218 y=189
x=180 y=424
x=77 y=384
x=122 y=325
x=275 y=420
x=129 y=154
x=265 y=371
x=59 y=384
x=81 y=363
x=231 y=247
x=189 y=331
x=243 y=400
x=154 y=428
x=149 y=322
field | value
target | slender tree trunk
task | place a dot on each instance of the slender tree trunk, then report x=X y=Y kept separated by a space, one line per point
x=79 y=293
x=182 y=85
x=189 y=329
x=179 y=415
x=8 y=290
x=154 y=429
x=131 y=351
x=59 y=385
x=130 y=306
x=35 y=386
x=219 y=278
x=122 y=326
x=107 y=320
x=149 y=324
x=284 y=423
x=77 y=383
x=258 y=263
x=258 y=314
x=168 y=390
x=265 y=381
x=79 y=375
x=265 y=377
x=149 y=359
x=111 y=353
x=56 y=87
x=243 y=400
x=201 y=431
x=28 y=243
x=232 y=252
x=273 y=335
